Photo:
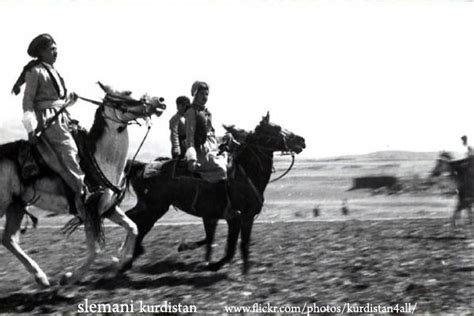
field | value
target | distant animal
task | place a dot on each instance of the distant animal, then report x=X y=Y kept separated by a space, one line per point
x=109 y=139
x=462 y=171
x=252 y=164
x=344 y=208
x=316 y=211
x=374 y=182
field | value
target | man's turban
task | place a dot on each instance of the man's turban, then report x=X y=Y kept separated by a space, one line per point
x=38 y=43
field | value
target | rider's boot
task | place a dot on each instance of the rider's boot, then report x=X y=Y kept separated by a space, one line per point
x=229 y=211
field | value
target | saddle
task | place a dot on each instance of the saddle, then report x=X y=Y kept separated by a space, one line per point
x=32 y=166
x=172 y=168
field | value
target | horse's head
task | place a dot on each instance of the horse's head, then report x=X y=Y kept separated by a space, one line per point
x=275 y=138
x=123 y=108
x=442 y=164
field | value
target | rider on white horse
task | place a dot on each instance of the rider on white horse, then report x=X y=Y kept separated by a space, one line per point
x=45 y=94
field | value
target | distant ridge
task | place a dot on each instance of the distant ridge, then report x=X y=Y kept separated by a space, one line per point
x=401 y=155
x=389 y=155
x=12 y=131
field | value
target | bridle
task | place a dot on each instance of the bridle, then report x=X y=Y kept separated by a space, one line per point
x=254 y=148
x=123 y=107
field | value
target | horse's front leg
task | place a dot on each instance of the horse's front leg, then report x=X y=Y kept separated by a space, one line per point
x=92 y=250
x=11 y=241
x=210 y=226
x=247 y=224
x=118 y=216
x=105 y=202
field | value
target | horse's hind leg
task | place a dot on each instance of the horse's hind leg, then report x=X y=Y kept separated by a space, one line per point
x=144 y=217
x=119 y=217
x=210 y=228
x=457 y=211
x=11 y=239
x=232 y=237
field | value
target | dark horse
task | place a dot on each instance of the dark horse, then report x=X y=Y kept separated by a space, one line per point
x=250 y=173
x=462 y=171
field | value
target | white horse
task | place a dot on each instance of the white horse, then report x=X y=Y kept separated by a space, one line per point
x=110 y=140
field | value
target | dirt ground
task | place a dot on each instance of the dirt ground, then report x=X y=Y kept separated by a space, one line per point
x=389 y=250
x=386 y=263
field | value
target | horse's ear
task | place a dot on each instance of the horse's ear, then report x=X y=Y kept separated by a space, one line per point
x=266 y=118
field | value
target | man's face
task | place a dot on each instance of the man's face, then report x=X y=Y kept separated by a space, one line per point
x=49 y=54
x=201 y=96
x=181 y=108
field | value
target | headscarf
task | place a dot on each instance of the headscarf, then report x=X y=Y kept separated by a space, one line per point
x=37 y=44
x=198 y=85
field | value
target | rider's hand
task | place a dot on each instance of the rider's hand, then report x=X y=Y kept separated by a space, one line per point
x=191 y=157
x=73 y=97
x=192 y=165
x=175 y=152
x=29 y=121
x=32 y=139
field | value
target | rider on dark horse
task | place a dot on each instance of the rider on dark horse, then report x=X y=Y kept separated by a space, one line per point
x=178 y=128
x=45 y=94
x=201 y=144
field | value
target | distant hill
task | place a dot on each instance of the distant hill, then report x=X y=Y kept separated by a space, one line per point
x=390 y=155
x=400 y=155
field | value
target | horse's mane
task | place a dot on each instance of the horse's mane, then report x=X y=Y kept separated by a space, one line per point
x=132 y=169
x=239 y=134
x=97 y=129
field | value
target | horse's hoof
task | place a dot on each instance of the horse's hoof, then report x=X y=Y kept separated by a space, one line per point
x=66 y=278
x=139 y=250
x=213 y=266
x=125 y=267
x=42 y=280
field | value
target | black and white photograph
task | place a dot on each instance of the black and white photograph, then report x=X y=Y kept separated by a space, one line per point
x=265 y=157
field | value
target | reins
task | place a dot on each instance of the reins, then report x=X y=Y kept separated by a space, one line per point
x=270 y=148
x=287 y=170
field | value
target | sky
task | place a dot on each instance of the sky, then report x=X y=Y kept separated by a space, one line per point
x=351 y=77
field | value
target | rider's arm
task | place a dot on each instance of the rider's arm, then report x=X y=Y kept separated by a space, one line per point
x=31 y=80
x=174 y=135
x=29 y=117
x=190 y=119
